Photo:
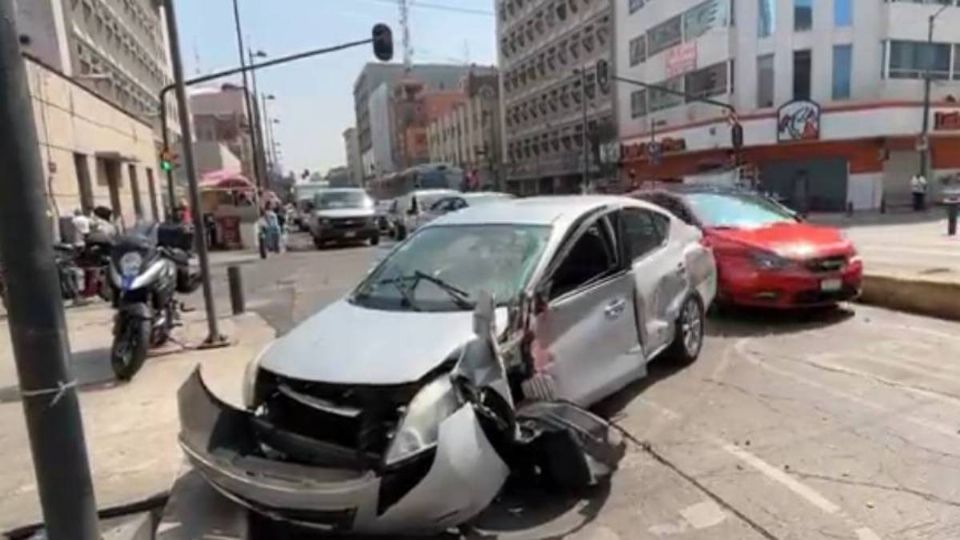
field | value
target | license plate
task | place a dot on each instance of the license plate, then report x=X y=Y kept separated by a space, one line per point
x=831 y=285
x=349 y=234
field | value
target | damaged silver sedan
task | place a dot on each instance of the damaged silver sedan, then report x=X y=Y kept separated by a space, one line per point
x=466 y=355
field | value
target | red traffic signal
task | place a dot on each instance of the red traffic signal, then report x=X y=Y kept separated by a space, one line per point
x=382 y=42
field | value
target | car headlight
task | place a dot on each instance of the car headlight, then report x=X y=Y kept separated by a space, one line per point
x=130 y=264
x=421 y=425
x=249 y=389
x=766 y=260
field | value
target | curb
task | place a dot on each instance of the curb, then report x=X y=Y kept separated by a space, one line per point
x=939 y=299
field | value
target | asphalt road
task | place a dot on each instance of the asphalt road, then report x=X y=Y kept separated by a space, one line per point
x=836 y=424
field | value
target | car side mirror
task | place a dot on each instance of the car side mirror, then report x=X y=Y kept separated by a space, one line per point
x=411 y=211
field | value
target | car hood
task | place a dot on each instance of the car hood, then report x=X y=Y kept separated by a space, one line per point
x=344 y=213
x=793 y=240
x=349 y=344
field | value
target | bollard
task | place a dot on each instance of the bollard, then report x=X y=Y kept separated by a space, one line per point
x=237 y=302
x=952 y=209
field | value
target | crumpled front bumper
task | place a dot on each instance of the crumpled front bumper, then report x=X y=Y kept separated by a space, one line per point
x=432 y=492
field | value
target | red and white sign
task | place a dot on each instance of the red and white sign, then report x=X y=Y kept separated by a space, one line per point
x=681 y=59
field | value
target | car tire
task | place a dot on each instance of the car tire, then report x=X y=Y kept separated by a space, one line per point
x=401 y=233
x=375 y=239
x=317 y=243
x=689 y=333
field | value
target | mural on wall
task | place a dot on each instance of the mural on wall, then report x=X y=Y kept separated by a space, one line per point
x=798 y=121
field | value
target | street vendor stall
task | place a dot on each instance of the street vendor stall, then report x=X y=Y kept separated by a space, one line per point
x=229 y=204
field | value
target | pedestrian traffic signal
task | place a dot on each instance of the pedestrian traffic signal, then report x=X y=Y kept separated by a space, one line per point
x=382 y=42
x=603 y=75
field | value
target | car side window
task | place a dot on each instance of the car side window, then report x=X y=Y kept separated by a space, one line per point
x=644 y=231
x=443 y=205
x=458 y=203
x=592 y=257
x=676 y=207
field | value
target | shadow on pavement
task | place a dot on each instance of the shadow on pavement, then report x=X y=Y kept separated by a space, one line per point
x=743 y=322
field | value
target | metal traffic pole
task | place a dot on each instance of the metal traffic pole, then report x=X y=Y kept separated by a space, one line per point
x=37 y=322
x=214 y=338
x=247 y=99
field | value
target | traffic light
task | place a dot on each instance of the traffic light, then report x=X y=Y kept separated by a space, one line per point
x=603 y=74
x=168 y=160
x=382 y=42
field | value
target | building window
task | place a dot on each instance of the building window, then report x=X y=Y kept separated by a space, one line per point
x=767 y=18
x=664 y=35
x=802 y=69
x=956 y=62
x=635 y=5
x=765 y=81
x=842 y=60
x=638 y=50
x=909 y=61
x=638 y=103
x=702 y=17
x=706 y=82
x=660 y=100
x=842 y=13
x=802 y=15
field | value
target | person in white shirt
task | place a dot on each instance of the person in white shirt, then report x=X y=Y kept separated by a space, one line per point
x=81 y=226
x=918 y=188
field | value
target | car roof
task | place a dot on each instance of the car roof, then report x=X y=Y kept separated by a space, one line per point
x=487 y=194
x=340 y=190
x=558 y=210
x=434 y=192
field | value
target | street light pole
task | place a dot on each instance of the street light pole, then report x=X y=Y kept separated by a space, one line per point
x=268 y=133
x=37 y=322
x=261 y=155
x=583 y=134
x=925 y=133
x=214 y=338
x=246 y=94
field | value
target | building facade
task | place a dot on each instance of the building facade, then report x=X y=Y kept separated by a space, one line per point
x=374 y=114
x=94 y=152
x=220 y=118
x=351 y=144
x=414 y=108
x=469 y=135
x=548 y=50
x=830 y=94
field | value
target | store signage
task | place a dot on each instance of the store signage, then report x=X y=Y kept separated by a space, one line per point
x=681 y=59
x=798 y=121
x=648 y=150
x=943 y=121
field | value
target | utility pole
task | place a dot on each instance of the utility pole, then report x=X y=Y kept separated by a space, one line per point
x=924 y=143
x=583 y=134
x=214 y=338
x=257 y=179
x=261 y=155
x=38 y=331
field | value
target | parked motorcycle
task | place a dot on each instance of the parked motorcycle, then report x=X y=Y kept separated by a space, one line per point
x=147 y=273
x=83 y=269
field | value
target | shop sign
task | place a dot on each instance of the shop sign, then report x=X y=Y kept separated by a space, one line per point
x=798 y=121
x=647 y=150
x=943 y=121
x=681 y=59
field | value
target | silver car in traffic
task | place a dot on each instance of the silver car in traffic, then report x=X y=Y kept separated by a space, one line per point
x=465 y=355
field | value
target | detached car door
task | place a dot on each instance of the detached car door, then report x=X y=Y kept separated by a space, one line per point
x=659 y=270
x=588 y=327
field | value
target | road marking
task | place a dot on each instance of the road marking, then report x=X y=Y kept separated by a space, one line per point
x=805 y=492
x=800 y=489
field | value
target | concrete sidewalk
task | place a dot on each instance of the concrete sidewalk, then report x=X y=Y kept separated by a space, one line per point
x=910 y=262
x=131 y=429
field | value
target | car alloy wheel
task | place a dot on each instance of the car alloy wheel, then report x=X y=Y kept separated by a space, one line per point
x=691 y=327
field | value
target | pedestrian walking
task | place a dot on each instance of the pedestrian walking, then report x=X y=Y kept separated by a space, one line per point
x=918 y=187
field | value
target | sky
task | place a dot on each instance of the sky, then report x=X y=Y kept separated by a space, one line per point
x=314 y=97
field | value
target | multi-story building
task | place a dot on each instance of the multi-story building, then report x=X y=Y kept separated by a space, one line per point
x=220 y=118
x=96 y=68
x=372 y=93
x=414 y=108
x=830 y=94
x=547 y=53
x=354 y=164
x=469 y=136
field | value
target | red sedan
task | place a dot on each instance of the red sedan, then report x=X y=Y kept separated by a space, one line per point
x=766 y=256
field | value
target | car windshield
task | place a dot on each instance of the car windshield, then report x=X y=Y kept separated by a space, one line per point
x=342 y=199
x=445 y=268
x=728 y=210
